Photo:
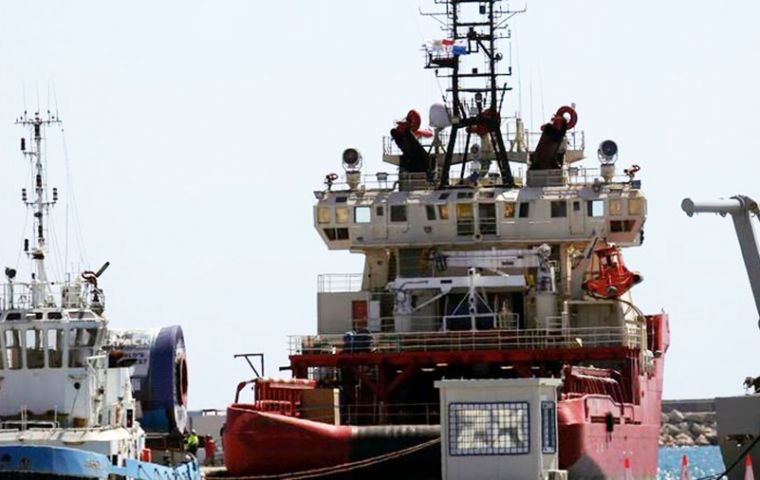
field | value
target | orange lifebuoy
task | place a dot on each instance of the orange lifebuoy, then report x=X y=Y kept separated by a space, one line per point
x=566 y=110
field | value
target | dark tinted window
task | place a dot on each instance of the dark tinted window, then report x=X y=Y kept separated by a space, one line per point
x=559 y=209
x=524 y=210
x=398 y=213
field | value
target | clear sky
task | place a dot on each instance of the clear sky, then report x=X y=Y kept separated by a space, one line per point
x=197 y=131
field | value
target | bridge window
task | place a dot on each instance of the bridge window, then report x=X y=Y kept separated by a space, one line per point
x=379 y=211
x=398 y=213
x=635 y=206
x=341 y=215
x=595 y=208
x=465 y=219
x=619 y=226
x=559 y=209
x=524 y=210
x=548 y=427
x=478 y=429
x=362 y=215
x=430 y=210
x=509 y=209
x=35 y=350
x=487 y=214
x=616 y=206
x=55 y=347
x=13 y=349
x=81 y=341
x=323 y=215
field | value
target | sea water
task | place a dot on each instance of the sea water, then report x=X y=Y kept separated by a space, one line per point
x=703 y=462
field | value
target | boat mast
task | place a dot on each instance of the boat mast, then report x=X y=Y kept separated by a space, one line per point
x=474 y=26
x=40 y=204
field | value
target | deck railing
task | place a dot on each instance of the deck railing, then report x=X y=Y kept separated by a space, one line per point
x=458 y=341
x=339 y=282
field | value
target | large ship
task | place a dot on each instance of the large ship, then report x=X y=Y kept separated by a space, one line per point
x=490 y=254
x=77 y=399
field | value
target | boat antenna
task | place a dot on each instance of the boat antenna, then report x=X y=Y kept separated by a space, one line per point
x=473 y=28
x=39 y=202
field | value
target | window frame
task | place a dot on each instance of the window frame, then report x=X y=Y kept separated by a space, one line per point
x=394 y=218
x=494 y=410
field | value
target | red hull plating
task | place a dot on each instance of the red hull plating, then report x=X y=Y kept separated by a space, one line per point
x=598 y=433
x=267 y=443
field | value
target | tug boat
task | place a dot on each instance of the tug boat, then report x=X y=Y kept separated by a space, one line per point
x=474 y=269
x=70 y=395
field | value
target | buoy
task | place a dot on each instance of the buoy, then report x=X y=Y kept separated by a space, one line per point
x=748 y=473
x=627 y=465
x=685 y=475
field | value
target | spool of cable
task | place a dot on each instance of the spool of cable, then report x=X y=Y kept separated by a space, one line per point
x=159 y=379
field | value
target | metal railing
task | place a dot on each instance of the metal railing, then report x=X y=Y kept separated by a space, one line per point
x=499 y=339
x=576 y=141
x=339 y=282
x=26 y=296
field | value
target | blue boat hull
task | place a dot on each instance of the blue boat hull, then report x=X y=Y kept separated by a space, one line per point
x=39 y=462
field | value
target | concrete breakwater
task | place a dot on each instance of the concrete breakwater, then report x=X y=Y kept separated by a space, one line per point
x=686 y=423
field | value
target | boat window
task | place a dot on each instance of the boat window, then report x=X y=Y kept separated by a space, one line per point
x=497 y=428
x=35 y=350
x=379 y=211
x=548 y=427
x=341 y=233
x=465 y=219
x=595 y=208
x=55 y=315
x=330 y=233
x=398 y=213
x=13 y=316
x=559 y=209
x=341 y=199
x=430 y=210
x=444 y=196
x=362 y=215
x=55 y=347
x=616 y=206
x=635 y=206
x=80 y=342
x=13 y=348
x=619 y=226
x=576 y=206
x=443 y=212
x=487 y=214
x=462 y=195
x=524 y=210
x=323 y=215
x=509 y=209
x=341 y=215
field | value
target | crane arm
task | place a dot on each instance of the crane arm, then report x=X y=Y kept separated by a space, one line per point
x=741 y=208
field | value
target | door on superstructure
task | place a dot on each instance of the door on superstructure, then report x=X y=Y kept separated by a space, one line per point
x=380 y=221
x=577 y=217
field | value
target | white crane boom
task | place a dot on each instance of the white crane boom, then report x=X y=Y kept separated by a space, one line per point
x=741 y=208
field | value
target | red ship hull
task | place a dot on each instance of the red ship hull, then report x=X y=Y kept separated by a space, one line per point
x=608 y=424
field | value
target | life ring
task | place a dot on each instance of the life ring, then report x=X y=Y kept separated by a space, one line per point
x=566 y=110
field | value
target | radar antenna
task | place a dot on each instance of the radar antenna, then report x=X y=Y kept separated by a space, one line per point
x=473 y=28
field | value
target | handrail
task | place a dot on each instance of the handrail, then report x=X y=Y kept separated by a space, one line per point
x=497 y=339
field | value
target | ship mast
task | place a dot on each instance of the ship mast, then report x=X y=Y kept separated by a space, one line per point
x=39 y=204
x=474 y=26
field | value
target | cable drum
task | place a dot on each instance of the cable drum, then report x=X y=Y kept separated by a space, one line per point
x=159 y=377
